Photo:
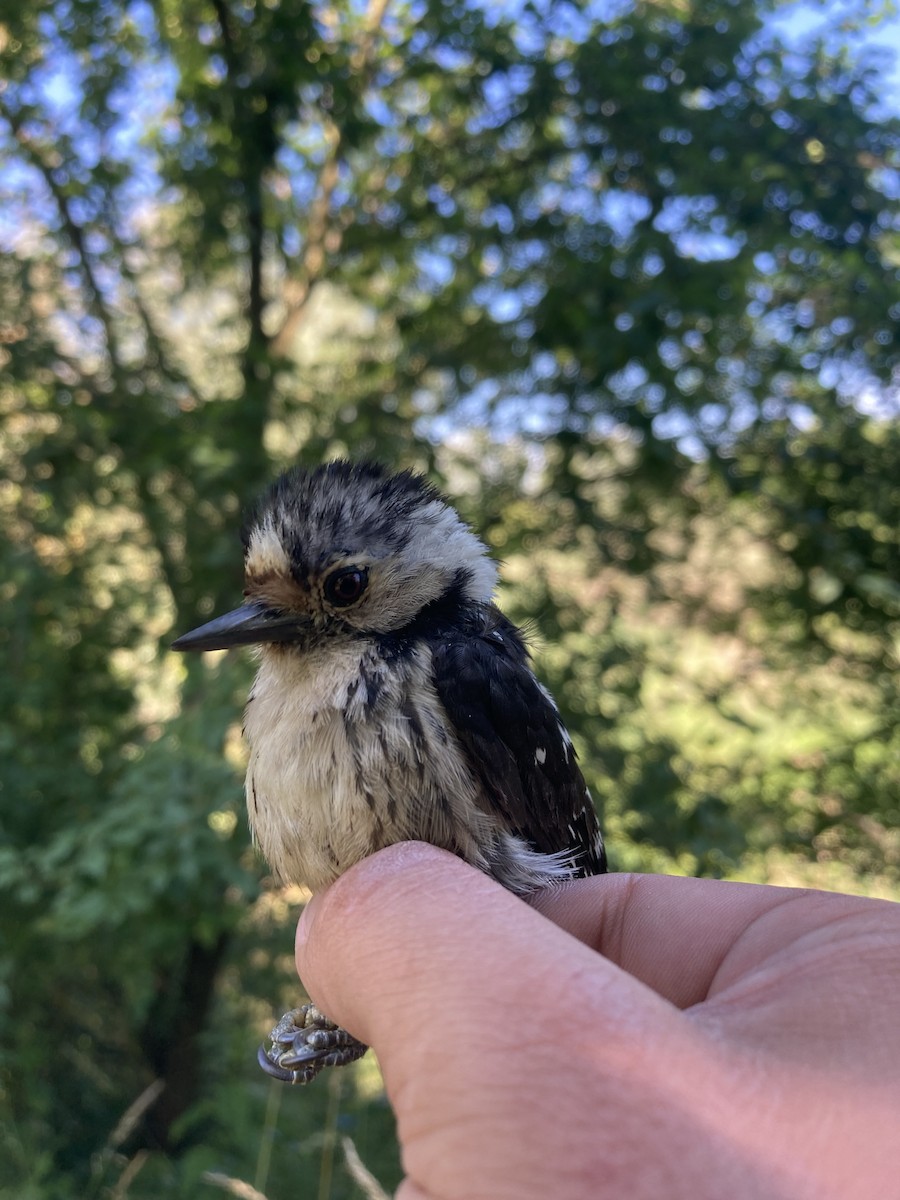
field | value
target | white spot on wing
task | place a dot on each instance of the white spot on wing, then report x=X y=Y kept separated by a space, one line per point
x=540 y=755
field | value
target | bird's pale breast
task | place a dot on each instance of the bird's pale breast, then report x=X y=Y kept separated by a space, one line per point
x=343 y=759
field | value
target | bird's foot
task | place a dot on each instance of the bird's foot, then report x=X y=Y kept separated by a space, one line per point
x=303 y=1042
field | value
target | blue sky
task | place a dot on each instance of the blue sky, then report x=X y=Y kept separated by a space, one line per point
x=804 y=18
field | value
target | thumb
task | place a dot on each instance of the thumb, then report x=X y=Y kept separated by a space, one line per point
x=479 y=1008
x=412 y=931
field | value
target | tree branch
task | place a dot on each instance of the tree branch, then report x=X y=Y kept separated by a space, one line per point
x=324 y=233
x=96 y=303
x=253 y=166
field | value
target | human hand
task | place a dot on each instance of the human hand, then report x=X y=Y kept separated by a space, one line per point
x=627 y=1036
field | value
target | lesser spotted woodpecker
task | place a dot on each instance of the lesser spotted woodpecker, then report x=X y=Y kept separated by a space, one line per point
x=393 y=701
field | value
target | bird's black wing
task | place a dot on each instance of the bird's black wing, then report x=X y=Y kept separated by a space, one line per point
x=511 y=732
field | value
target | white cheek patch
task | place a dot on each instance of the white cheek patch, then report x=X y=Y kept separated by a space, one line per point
x=444 y=540
x=403 y=582
x=265 y=552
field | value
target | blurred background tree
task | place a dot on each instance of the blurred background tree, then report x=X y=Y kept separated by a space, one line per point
x=622 y=276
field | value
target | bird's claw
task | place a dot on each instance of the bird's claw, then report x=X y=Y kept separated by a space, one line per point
x=303 y=1042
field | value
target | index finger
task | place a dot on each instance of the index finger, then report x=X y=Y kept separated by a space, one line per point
x=684 y=938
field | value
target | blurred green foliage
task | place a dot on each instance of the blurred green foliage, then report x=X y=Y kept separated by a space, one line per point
x=622 y=277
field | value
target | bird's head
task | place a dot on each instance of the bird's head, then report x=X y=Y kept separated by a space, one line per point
x=347 y=549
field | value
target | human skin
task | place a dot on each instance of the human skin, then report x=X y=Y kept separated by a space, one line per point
x=622 y=1036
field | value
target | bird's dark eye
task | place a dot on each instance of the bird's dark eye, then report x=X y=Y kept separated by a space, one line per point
x=345 y=586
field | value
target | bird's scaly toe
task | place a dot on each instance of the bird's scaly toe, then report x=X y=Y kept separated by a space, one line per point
x=303 y=1042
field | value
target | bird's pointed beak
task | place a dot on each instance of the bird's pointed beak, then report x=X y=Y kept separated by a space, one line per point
x=246 y=626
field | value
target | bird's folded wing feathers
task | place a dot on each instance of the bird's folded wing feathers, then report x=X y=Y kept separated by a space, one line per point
x=514 y=740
